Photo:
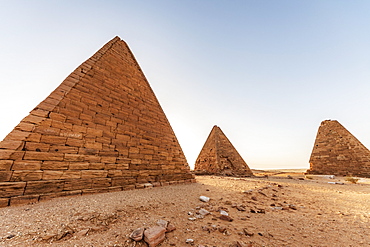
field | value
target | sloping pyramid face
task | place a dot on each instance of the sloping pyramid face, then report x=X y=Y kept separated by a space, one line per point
x=218 y=156
x=101 y=130
x=336 y=151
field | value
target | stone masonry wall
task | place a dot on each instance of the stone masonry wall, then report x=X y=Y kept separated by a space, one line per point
x=336 y=151
x=101 y=130
x=219 y=156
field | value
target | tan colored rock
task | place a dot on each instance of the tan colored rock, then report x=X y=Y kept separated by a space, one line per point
x=154 y=235
x=137 y=234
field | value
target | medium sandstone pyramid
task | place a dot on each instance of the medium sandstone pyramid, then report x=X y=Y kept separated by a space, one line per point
x=336 y=151
x=101 y=130
x=218 y=156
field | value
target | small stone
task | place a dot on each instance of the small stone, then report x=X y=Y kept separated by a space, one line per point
x=260 y=234
x=10 y=236
x=137 y=234
x=247 y=191
x=162 y=223
x=248 y=233
x=192 y=218
x=222 y=229
x=86 y=231
x=170 y=227
x=290 y=177
x=291 y=206
x=225 y=217
x=240 y=208
x=254 y=198
x=262 y=193
x=189 y=241
x=227 y=202
x=206 y=228
x=154 y=235
x=277 y=208
x=204 y=198
x=222 y=212
x=240 y=244
x=48 y=236
x=204 y=212
x=199 y=216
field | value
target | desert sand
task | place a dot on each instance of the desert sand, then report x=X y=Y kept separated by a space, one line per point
x=275 y=208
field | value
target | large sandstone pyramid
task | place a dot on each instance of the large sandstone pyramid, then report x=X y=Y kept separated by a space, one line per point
x=336 y=151
x=218 y=156
x=101 y=130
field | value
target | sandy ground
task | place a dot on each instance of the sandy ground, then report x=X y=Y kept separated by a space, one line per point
x=266 y=211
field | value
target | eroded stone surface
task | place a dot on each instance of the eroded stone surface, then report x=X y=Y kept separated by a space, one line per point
x=336 y=151
x=101 y=130
x=219 y=156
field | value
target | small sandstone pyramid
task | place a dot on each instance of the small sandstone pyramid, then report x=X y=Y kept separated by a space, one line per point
x=336 y=151
x=218 y=156
x=101 y=130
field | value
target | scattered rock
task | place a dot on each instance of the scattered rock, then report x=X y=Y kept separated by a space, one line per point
x=291 y=206
x=137 y=234
x=254 y=198
x=204 y=198
x=225 y=217
x=240 y=244
x=170 y=227
x=199 y=216
x=162 y=223
x=277 y=208
x=189 y=241
x=10 y=236
x=247 y=191
x=262 y=193
x=222 y=212
x=154 y=235
x=290 y=177
x=192 y=218
x=84 y=232
x=248 y=233
x=222 y=229
x=204 y=212
x=240 y=208
x=228 y=202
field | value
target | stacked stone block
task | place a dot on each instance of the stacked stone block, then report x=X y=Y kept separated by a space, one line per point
x=101 y=130
x=218 y=156
x=336 y=151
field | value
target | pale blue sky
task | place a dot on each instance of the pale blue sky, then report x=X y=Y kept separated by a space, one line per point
x=266 y=72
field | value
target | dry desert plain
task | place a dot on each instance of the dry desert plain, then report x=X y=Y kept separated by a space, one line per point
x=284 y=208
